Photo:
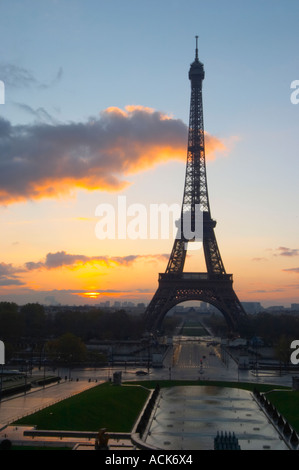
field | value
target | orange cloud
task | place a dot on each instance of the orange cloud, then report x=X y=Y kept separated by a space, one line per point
x=63 y=259
x=45 y=161
x=87 y=269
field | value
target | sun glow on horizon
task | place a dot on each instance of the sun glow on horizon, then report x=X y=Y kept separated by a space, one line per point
x=90 y=295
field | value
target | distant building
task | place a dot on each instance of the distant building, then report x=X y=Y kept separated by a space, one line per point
x=252 y=307
x=276 y=309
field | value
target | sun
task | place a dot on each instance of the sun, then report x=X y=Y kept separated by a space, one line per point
x=91 y=295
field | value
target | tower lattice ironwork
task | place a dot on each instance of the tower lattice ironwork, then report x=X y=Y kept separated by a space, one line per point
x=214 y=286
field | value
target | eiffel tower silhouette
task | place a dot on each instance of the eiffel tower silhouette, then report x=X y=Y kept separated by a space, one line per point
x=213 y=286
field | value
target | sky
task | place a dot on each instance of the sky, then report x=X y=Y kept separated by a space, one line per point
x=94 y=117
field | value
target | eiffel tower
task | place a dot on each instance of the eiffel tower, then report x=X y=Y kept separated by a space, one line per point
x=213 y=286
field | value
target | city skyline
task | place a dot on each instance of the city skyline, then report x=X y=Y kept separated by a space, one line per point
x=97 y=108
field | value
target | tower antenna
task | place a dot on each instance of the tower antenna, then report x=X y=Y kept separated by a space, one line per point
x=196 y=50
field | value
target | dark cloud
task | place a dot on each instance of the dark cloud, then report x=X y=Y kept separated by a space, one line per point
x=284 y=251
x=9 y=275
x=16 y=76
x=267 y=291
x=20 y=77
x=10 y=282
x=61 y=258
x=292 y=270
x=44 y=160
x=40 y=114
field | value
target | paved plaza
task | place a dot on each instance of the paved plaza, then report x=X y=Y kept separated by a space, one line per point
x=14 y=408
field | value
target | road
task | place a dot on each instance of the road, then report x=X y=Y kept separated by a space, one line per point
x=196 y=358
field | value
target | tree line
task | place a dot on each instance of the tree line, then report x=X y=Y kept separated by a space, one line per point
x=271 y=327
x=32 y=327
x=65 y=332
x=32 y=322
x=29 y=326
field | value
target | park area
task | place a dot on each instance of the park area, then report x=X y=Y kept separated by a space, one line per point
x=118 y=407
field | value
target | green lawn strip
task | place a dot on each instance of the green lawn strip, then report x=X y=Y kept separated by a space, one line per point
x=192 y=328
x=287 y=403
x=113 y=407
x=213 y=383
x=194 y=331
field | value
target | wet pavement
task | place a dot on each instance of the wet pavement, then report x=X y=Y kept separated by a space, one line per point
x=16 y=407
x=190 y=417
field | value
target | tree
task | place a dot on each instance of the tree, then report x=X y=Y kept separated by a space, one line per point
x=34 y=317
x=282 y=349
x=68 y=347
x=10 y=322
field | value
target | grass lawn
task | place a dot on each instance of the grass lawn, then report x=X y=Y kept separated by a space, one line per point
x=194 y=331
x=287 y=403
x=243 y=385
x=117 y=407
x=192 y=328
x=104 y=406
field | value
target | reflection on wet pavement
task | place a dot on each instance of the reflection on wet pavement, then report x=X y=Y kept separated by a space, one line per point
x=190 y=417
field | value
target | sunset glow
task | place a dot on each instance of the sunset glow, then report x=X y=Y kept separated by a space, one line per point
x=90 y=295
x=78 y=130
